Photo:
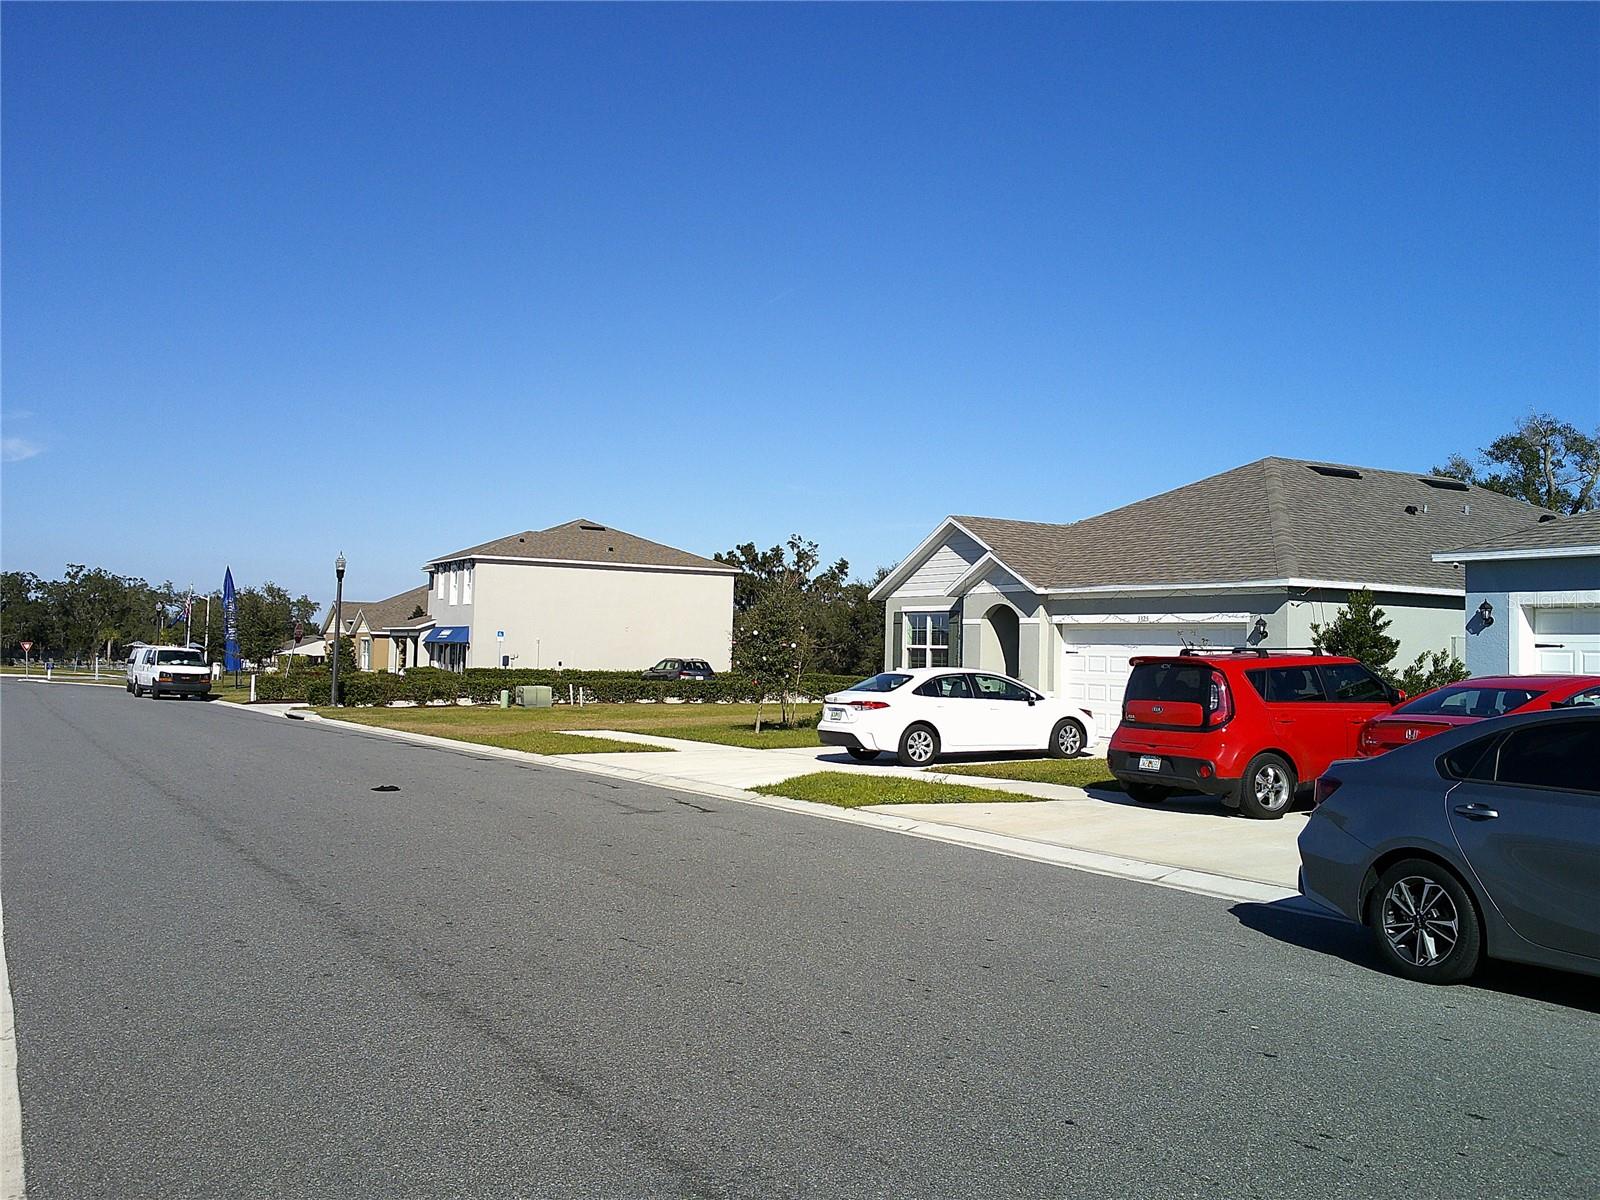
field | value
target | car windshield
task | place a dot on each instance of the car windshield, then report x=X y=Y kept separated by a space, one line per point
x=181 y=658
x=887 y=681
x=1469 y=700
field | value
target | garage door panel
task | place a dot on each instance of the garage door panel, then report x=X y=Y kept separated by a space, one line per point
x=1566 y=641
x=1096 y=668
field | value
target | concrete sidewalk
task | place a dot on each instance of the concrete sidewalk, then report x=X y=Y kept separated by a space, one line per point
x=1191 y=833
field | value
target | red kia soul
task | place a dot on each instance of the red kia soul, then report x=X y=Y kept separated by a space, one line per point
x=1245 y=725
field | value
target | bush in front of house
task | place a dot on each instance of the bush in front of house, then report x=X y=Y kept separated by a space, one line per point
x=425 y=685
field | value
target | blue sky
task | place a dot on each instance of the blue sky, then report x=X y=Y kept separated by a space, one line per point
x=397 y=280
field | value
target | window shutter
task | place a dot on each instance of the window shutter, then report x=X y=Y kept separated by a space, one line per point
x=955 y=635
x=898 y=652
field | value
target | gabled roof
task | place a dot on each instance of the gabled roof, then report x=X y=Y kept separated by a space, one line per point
x=1552 y=537
x=585 y=541
x=1275 y=519
x=396 y=610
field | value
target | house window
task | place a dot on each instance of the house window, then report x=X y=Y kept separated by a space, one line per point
x=455 y=585
x=366 y=654
x=927 y=639
x=466 y=585
x=438 y=579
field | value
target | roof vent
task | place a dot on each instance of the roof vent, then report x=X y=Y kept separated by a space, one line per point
x=1448 y=485
x=520 y=538
x=596 y=528
x=1548 y=517
x=1335 y=472
x=1413 y=509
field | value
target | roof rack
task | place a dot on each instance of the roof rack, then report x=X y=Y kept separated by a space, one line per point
x=1252 y=651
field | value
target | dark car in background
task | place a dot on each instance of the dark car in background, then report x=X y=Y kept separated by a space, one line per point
x=680 y=668
x=1474 y=700
x=1481 y=840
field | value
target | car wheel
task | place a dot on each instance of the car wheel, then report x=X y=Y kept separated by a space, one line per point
x=862 y=754
x=1425 y=923
x=919 y=746
x=1267 y=789
x=129 y=685
x=153 y=692
x=1066 y=739
x=1147 y=793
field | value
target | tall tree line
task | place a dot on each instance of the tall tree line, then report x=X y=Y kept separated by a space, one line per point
x=91 y=611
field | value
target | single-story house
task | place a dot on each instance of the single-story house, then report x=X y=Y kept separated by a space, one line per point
x=369 y=624
x=1251 y=557
x=1533 y=598
x=580 y=595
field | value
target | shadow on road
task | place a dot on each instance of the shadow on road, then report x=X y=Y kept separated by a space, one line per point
x=1287 y=921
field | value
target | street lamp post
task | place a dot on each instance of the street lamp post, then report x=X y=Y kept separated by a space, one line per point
x=338 y=622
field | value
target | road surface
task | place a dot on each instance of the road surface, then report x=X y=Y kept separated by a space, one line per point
x=240 y=970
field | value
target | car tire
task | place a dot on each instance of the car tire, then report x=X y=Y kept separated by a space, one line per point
x=861 y=753
x=1416 y=906
x=153 y=692
x=919 y=745
x=1147 y=793
x=1266 y=791
x=1066 y=739
x=129 y=685
x=137 y=691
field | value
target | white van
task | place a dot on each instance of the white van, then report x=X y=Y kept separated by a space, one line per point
x=168 y=670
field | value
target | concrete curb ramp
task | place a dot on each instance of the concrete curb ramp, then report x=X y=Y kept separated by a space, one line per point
x=1162 y=875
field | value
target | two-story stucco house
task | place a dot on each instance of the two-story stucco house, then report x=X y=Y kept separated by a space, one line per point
x=1254 y=556
x=1533 y=599
x=581 y=595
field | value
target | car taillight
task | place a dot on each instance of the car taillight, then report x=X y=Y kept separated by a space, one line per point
x=1369 y=737
x=1325 y=786
x=867 y=705
x=1221 y=700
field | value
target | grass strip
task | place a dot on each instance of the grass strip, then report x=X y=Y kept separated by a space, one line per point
x=1072 y=772
x=486 y=727
x=846 y=789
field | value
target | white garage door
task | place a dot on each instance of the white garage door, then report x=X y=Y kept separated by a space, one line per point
x=1566 y=641
x=1095 y=667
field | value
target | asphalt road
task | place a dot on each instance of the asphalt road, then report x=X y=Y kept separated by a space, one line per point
x=239 y=970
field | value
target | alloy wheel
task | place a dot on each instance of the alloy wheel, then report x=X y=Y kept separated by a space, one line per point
x=919 y=745
x=1271 y=787
x=1068 y=740
x=1420 y=921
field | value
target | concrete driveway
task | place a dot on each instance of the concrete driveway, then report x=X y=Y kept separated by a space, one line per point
x=1193 y=832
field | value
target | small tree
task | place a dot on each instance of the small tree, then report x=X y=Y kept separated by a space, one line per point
x=1358 y=633
x=771 y=644
x=1432 y=669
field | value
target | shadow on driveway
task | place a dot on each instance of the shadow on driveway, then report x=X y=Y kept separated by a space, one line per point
x=1287 y=921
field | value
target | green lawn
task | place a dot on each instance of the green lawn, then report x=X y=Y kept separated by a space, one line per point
x=508 y=728
x=728 y=724
x=1074 y=772
x=846 y=789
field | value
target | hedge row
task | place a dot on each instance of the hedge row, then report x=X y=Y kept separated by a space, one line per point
x=484 y=684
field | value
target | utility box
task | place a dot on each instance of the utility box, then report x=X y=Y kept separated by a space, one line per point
x=534 y=696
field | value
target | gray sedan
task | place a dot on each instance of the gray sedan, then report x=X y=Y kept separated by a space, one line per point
x=1481 y=841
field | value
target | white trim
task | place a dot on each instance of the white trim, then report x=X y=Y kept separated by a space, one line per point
x=1460 y=556
x=580 y=562
x=1574 y=598
x=1137 y=619
x=914 y=559
x=933 y=608
x=1235 y=585
x=966 y=582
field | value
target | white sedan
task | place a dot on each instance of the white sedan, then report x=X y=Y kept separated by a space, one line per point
x=919 y=714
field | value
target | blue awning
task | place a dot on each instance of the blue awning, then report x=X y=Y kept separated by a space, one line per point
x=454 y=635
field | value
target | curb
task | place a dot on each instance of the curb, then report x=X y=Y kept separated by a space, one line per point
x=1202 y=883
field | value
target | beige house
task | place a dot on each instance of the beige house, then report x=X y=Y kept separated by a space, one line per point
x=580 y=595
x=376 y=626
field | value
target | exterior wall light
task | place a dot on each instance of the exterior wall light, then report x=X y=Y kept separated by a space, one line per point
x=1486 y=613
x=1259 y=631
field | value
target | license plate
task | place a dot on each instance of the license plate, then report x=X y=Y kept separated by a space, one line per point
x=1149 y=762
x=836 y=714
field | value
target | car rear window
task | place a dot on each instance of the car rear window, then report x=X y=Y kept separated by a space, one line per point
x=1174 y=683
x=1469 y=700
x=886 y=681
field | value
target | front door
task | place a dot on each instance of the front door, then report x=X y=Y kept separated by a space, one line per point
x=1530 y=830
x=1009 y=719
x=1359 y=695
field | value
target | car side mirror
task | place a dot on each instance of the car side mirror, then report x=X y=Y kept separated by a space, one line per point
x=1398 y=694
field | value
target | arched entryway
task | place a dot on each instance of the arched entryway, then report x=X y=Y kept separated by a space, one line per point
x=1001 y=635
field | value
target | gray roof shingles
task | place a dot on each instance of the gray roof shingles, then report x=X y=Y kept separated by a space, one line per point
x=1276 y=518
x=587 y=542
x=1562 y=533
